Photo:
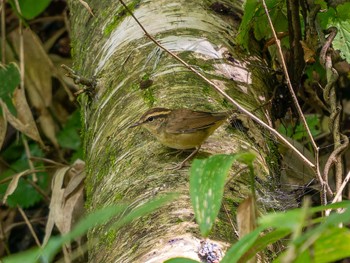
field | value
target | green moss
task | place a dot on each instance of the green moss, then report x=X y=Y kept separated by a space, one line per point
x=222 y=231
x=145 y=77
x=110 y=237
x=117 y=197
x=148 y=97
x=121 y=14
x=112 y=25
x=89 y=188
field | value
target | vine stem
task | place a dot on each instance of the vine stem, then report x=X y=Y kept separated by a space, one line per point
x=224 y=94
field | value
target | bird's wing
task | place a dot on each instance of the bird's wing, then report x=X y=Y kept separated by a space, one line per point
x=194 y=121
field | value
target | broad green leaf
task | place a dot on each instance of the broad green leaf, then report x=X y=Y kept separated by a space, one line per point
x=322 y=3
x=250 y=8
x=332 y=245
x=25 y=194
x=69 y=136
x=343 y=11
x=287 y=220
x=340 y=18
x=262 y=29
x=241 y=247
x=263 y=241
x=342 y=40
x=10 y=79
x=290 y=219
x=32 y=8
x=298 y=132
x=331 y=221
x=28 y=256
x=207 y=181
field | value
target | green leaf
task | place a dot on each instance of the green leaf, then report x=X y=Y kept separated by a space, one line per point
x=298 y=132
x=10 y=79
x=181 y=260
x=241 y=247
x=32 y=8
x=322 y=3
x=146 y=209
x=287 y=220
x=332 y=245
x=343 y=11
x=69 y=136
x=49 y=251
x=250 y=8
x=331 y=221
x=263 y=241
x=94 y=219
x=262 y=29
x=25 y=194
x=207 y=181
x=340 y=18
x=342 y=40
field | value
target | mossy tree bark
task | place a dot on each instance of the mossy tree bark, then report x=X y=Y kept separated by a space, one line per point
x=133 y=75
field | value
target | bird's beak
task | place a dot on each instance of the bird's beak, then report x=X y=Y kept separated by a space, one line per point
x=135 y=124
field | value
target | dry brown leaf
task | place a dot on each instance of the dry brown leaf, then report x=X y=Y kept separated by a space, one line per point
x=13 y=184
x=309 y=53
x=38 y=69
x=67 y=203
x=246 y=216
x=24 y=113
x=48 y=127
x=27 y=126
x=56 y=201
x=74 y=198
x=72 y=210
x=246 y=221
x=77 y=177
x=86 y=5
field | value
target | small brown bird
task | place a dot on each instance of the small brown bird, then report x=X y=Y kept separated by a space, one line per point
x=181 y=128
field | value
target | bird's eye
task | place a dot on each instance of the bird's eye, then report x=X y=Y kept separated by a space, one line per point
x=150 y=119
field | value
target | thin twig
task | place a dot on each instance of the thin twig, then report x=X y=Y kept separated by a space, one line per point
x=340 y=190
x=29 y=155
x=21 y=47
x=235 y=103
x=89 y=83
x=295 y=101
x=230 y=220
x=29 y=226
x=289 y=84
